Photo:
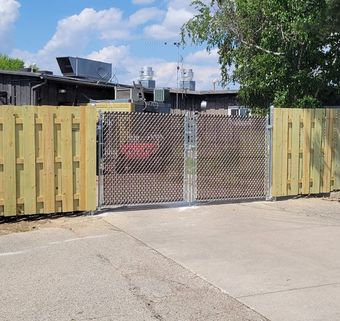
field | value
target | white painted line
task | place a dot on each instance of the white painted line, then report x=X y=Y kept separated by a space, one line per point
x=52 y=244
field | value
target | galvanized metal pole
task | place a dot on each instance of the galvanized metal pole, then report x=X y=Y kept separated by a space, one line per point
x=100 y=189
x=270 y=126
x=186 y=187
x=190 y=156
x=194 y=155
x=177 y=44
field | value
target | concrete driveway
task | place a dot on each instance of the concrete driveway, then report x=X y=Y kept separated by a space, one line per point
x=76 y=269
x=281 y=259
x=237 y=262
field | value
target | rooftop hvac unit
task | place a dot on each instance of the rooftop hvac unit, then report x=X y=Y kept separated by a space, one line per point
x=128 y=94
x=146 y=78
x=146 y=73
x=84 y=68
x=162 y=95
x=187 y=75
x=187 y=82
x=149 y=84
x=188 y=85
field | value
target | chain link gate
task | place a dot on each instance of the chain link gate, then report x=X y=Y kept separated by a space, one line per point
x=231 y=157
x=162 y=158
x=143 y=158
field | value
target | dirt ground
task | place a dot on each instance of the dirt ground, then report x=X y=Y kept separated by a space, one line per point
x=27 y=224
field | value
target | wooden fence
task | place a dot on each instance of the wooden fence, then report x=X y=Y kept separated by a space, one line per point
x=47 y=160
x=306 y=151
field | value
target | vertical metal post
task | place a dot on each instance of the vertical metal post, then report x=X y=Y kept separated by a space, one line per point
x=186 y=185
x=100 y=163
x=177 y=44
x=190 y=161
x=194 y=156
x=270 y=123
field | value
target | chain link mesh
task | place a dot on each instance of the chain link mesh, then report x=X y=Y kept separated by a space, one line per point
x=143 y=158
x=231 y=157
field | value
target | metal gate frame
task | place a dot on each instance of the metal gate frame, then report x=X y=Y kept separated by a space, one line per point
x=141 y=159
x=190 y=161
x=190 y=158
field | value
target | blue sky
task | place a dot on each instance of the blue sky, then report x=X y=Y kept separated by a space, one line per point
x=127 y=33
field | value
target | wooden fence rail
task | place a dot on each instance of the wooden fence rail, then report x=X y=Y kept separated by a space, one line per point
x=306 y=151
x=47 y=160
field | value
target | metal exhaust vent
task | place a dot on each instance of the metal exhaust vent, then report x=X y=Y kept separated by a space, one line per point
x=76 y=67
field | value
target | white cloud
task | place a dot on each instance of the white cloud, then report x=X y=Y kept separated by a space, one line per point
x=203 y=56
x=170 y=27
x=205 y=72
x=44 y=61
x=9 y=12
x=73 y=35
x=126 y=66
x=166 y=74
x=143 y=1
x=144 y=15
x=75 y=32
x=110 y=54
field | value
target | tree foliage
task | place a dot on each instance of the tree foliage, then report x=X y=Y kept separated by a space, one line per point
x=7 y=63
x=282 y=52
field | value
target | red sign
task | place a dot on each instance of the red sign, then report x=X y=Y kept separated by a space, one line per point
x=139 y=150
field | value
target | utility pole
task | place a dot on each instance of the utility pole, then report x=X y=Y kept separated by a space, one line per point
x=177 y=44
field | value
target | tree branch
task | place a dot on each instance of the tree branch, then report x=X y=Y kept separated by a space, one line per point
x=275 y=53
x=248 y=44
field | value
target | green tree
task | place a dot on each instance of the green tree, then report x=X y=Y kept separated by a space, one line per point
x=283 y=52
x=7 y=63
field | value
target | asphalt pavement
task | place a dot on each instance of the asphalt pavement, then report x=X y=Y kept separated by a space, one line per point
x=277 y=261
x=76 y=269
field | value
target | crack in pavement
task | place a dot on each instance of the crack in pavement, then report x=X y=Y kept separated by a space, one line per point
x=288 y=290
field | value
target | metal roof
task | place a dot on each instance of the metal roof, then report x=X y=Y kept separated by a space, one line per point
x=76 y=81
x=205 y=92
x=20 y=73
x=87 y=82
x=58 y=78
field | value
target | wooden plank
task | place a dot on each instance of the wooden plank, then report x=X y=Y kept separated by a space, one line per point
x=336 y=160
x=30 y=193
x=295 y=151
x=1 y=163
x=284 y=147
x=67 y=159
x=83 y=166
x=91 y=159
x=48 y=152
x=308 y=115
x=10 y=206
x=277 y=153
x=316 y=142
x=328 y=147
x=87 y=195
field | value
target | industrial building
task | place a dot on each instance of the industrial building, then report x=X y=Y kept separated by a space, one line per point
x=28 y=88
x=86 y=81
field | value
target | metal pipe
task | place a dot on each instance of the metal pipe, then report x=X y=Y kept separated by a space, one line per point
x=100 y=162
x=270 y=126
x=34 y=88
